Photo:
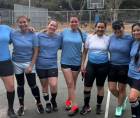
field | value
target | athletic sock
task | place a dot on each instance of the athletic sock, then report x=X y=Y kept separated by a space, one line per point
x=10 y=98
x=99 y=99
x=36 y=94
x=46 y=96
x=135 y=108
x=86 y=97
x=138 y=112
x=20 y=92
x=53 y=97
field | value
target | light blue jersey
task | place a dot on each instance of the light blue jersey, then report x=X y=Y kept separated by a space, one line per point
x=23 y=46
x=119 y=49
x=71 y=47
x=48 y=47
x=97 y=48
x=134 y=69
x=4 y=42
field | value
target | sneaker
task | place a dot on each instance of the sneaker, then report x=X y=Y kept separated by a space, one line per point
x=54 y=106
x=125 y=103
x=48 y=108
x=20 y=111
x=40 y=108
x=98 y=109
x=68 y=104
x=85 y=110
x=74 y=110
x=11 y=113
x=119 y=110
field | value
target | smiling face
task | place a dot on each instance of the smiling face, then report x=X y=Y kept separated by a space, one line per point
x=119 y=32
x=52 y=27
x=136 y=31
x=74 y=23
x=23 y=23
x=100 y=29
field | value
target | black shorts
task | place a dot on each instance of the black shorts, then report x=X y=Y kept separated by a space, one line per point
x=98 y=71
x=6 y=68
x=118 y=73
x=72 y=67
x=134 y=83
x=45 y=73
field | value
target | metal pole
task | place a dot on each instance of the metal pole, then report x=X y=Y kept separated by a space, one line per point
x=67 y=17
x=90 y=16
x=103 y=4
x=29 y=9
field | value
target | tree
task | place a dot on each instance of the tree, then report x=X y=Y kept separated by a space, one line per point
x=113 y=5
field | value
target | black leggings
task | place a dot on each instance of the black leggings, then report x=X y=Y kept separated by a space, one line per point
x=31 y=79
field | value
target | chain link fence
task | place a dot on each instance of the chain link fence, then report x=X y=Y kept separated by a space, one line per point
x=87 y=17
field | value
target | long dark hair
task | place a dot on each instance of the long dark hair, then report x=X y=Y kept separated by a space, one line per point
x=136 y=58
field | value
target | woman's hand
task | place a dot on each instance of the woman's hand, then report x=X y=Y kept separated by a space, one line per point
x=29 y=69
x=138 y=69
x=83 y=71
x=31 y=29
x=83 y=68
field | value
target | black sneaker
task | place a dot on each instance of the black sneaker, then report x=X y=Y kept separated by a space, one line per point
x=40 y=108
x=85 y=110
x=48 y=107
x=54 y=106
x=20 y=111
x=11 y=113
x=98 y=109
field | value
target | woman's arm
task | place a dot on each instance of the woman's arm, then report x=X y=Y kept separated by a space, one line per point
x=35 y=54
x=34 y=57
x=84 y=55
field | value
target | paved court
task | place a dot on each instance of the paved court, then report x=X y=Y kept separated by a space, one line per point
x=30 y=111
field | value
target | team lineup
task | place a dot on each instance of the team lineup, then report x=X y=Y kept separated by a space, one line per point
x=96 y=56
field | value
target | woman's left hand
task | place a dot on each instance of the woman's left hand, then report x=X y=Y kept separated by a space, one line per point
x=28 y=69
x=31 y=29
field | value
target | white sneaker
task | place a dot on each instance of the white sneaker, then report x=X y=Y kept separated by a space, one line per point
x=119 y=111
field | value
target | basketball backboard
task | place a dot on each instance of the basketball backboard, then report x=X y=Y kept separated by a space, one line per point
x=95 y=4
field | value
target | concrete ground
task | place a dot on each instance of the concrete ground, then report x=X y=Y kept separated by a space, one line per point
x=31 y=112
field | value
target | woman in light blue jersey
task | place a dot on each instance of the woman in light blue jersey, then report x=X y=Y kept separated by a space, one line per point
x=25 y=51
x=96 y=47
x=119 y=48
x=72 y=40
x=134 y=72
x=46 y=65
x=6 y=67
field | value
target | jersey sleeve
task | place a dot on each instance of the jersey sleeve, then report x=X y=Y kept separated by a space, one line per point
x=87 y=41
x=84 y=36
x=35 y=40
